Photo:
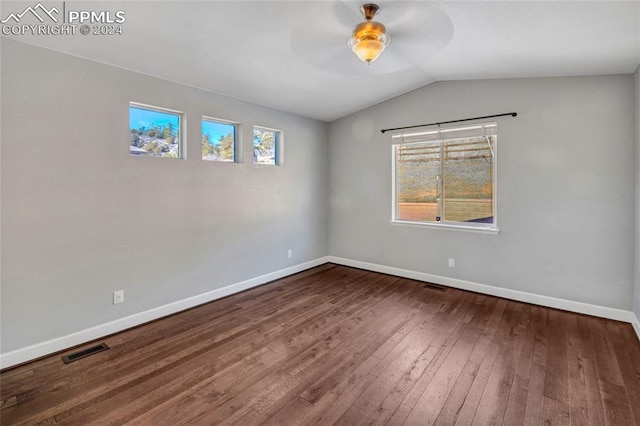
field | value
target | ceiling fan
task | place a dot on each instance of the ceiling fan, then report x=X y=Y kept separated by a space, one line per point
x=418 y=30
x=369 y=38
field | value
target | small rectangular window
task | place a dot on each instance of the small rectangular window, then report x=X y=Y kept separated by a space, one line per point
x=267 y=146
x=446 y=176
x=154 y=132
x=219 y=140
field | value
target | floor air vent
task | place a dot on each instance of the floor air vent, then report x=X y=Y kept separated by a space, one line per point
x=85 y=353
x=435 y=287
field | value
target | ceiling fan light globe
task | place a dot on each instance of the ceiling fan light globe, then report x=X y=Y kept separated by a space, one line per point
x=368 y=50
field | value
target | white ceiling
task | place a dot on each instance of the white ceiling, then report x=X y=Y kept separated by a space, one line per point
x=293 y=56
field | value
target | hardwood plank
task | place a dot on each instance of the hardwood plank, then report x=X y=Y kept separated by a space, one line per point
x=594 y=394
x=515 y=411
x=294 y=413
x=339 y=387
x=336 y=402
x=556 y=380
x=399 y=416
x=631 y=379
x=555 y=412
x=476 y=393
x=584 y=389
x=633 y=395
x=429 y=405
x=383 y=385
x=606 y=361
x=327 y=363
x=493 y=404
x=447 y=327
x=577 y=356
x=472 y=370
x=533 y=407
x=616 y=405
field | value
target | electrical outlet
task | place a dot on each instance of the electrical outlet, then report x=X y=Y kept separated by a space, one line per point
x=118 y=296
x=290 y=253
x=452 y=263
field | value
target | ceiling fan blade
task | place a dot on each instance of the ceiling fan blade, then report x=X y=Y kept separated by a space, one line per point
x=348 y=13
x=392 y=60
x=320 y=48
x=422 y=38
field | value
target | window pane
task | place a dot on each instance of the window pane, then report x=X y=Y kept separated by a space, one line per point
x=417 y=171
x=265 y=143
x=218 y=141
x=154 y=133
x=468 y=179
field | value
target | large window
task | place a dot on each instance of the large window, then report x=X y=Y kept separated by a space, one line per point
x=446 y=176
x=154 y=132
x=218 y=140
x=267 y=146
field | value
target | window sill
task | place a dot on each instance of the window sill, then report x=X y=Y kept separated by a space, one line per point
x=477 y=229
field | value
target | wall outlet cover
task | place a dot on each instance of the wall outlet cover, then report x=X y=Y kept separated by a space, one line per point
x=118 y=296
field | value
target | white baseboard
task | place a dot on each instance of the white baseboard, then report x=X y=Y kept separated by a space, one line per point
x=635 y=322
x=521 y=296
x=38 y=350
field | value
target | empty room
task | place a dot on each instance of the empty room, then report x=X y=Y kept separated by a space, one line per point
x=320 y=212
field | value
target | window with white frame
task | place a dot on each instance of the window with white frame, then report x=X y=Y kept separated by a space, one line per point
x=446 y=176
x=267 y=146
x=219 y=140
x=154 y=132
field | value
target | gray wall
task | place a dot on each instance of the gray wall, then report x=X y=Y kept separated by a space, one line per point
x=636 y=305
x=565 y=188
x=81 y=218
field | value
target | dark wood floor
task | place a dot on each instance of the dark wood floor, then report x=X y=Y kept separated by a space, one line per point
x=336 y=345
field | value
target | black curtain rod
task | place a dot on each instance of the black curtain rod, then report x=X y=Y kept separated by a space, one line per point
x=513 y=114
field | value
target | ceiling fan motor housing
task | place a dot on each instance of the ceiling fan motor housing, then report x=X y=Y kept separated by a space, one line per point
x=370 y=30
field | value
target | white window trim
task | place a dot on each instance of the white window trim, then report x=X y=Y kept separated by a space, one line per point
x=182 y=127
x=457 y=226
x=237 y=147
x=448 y=226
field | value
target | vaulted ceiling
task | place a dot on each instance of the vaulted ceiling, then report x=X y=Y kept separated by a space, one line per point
x=293 y=55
